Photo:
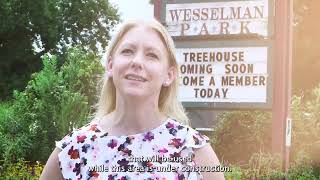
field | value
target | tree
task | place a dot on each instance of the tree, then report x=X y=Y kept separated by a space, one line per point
x=29 y=29
x=306 y=37
x=53 y=103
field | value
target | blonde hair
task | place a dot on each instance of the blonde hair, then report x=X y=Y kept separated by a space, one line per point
x=168 y=99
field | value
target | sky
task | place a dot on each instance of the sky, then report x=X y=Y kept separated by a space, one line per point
x=137 y=9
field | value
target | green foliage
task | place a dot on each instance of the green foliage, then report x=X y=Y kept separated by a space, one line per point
x=236 y=173
x=239 y=134
x=54 y=102
x=29 y=29
x=6 y=113
x=243 y=139
x=81 y=73
x=22 y=170
x=306 y=126
x=302 y=168
x=264 y=166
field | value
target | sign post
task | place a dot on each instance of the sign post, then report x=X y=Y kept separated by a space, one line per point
x=281 y=122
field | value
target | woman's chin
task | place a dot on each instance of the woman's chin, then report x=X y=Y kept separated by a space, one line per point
x=135 y=93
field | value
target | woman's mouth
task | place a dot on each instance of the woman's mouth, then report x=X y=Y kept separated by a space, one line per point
x=135 y=77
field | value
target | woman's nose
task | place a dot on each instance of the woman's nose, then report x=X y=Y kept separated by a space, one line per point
x=137 y=60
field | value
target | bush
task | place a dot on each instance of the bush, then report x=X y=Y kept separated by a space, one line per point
x=236 y=173
x=6 y=113
x=302 y=168
x=243 y=138
x=22 y=170
x=239 y=134
x=306 y=126
x=264 y=166
x=54 y=102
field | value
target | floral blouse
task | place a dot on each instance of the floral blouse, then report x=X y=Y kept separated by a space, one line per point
x=164 y=153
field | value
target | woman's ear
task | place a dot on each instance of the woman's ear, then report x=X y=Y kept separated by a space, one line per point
x=171 y=76
x=109 y=66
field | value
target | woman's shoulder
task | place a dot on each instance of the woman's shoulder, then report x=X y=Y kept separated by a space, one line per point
x=192 y=137
x=79 y=135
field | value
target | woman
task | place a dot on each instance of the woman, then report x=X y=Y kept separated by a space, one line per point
x=139 y=131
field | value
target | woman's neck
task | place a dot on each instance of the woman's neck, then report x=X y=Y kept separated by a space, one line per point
x=132 y=117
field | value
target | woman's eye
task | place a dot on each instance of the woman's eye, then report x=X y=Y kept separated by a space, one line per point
x=127 y=51
x=152 y=55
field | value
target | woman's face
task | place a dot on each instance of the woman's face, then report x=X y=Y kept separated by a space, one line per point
x=140 y=65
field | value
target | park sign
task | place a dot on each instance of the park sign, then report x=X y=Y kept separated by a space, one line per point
x=247 y=17
x=224 y=74
x=235 y=54
x=224 y=51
